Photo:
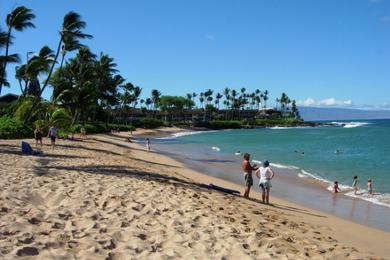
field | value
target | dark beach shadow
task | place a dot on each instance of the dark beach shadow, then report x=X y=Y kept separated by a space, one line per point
x=13 y=149
x=88 y=149
x=287 y=208
x=114 y=170
x=156 y=163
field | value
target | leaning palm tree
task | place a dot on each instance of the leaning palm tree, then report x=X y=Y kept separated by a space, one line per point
x=71 y=32
x=19 y=19
x=70 y=44
x=72 y=26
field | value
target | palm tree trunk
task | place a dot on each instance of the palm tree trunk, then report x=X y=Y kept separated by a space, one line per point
x=62 y=60
x=2 y=76
x=74 y=118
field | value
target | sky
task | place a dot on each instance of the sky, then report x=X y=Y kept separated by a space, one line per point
x=321 y=53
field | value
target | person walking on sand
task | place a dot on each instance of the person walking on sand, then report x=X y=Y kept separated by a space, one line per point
x=336 y=188
x=53 y=135
x=265 y=174
x=369 y=187
x=38 y=136
x=147 y=144
x=247 y=168
x=355 y=184
x=83 y=133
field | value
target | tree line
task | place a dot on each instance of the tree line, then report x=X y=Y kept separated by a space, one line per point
x=88 y=86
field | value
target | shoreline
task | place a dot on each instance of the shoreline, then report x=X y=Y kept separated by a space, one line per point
x=97 y=198
x=333 y=219
x=292 y=176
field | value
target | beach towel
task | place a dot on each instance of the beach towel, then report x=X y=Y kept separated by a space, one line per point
x=27 y=149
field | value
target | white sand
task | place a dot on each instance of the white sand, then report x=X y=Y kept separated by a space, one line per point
x=104 y=198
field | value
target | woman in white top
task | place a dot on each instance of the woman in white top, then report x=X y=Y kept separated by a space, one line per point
x=265 y=174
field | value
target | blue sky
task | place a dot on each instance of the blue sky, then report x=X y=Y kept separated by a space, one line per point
x=323 y=52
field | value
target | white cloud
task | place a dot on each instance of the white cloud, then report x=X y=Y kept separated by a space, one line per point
x=325 y=102
x=307 y=102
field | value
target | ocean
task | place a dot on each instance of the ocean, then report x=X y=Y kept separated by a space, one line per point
x=301 y=156
x=364 y=150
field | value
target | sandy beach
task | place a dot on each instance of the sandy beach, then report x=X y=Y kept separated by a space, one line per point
x=106 y=198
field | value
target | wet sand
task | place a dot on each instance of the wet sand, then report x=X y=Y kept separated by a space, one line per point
x=105 y=198
x=287 y=185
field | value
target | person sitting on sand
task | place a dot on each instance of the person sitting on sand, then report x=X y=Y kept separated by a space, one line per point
x=355 y=184
x=247 y=168
x=38 y=133
x=336 y=188
x=265 y=174
x=369 y=187
x=53 y=135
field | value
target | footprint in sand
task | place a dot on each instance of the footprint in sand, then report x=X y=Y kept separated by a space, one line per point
x=27 y=251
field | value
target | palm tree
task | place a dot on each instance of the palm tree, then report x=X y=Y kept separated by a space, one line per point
x=136 y=93
x=201 y=98
x=277 y=100
x=148 y=102
x=75 y=86
x=70 y=44
x=265 y=98
x=189 y=100
x=72 y=26
x=155 y=97
x=30 y=72
x=208 y=96
x=36 y=66
x=217 y=98
x=19 y=19
x=242 y=90
x=71 y=31
x=106 y=78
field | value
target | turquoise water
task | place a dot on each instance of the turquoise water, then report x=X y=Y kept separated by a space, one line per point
x=311 y=152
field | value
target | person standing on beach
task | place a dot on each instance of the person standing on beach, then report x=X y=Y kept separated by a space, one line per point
x=147 y=144
x=247 y=168
x=355 y=184
x=38 y=136
x=53 y=135
x=265 y=174
x=83 y=133
x=369 y=187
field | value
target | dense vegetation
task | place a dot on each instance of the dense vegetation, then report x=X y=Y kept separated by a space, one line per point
x=88 y=90
x=12 y=128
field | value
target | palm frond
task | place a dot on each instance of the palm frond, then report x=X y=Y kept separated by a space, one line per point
x=20 y=18
x=12 y=58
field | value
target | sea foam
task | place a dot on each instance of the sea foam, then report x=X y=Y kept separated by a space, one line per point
x=350 y=124
x=180 y=134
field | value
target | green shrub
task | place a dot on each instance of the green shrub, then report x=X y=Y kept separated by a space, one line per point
x=121 y=127
x=99 y=127
x=11 y=128
x=148 y=123
x=278 y=122
x=223 y=124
